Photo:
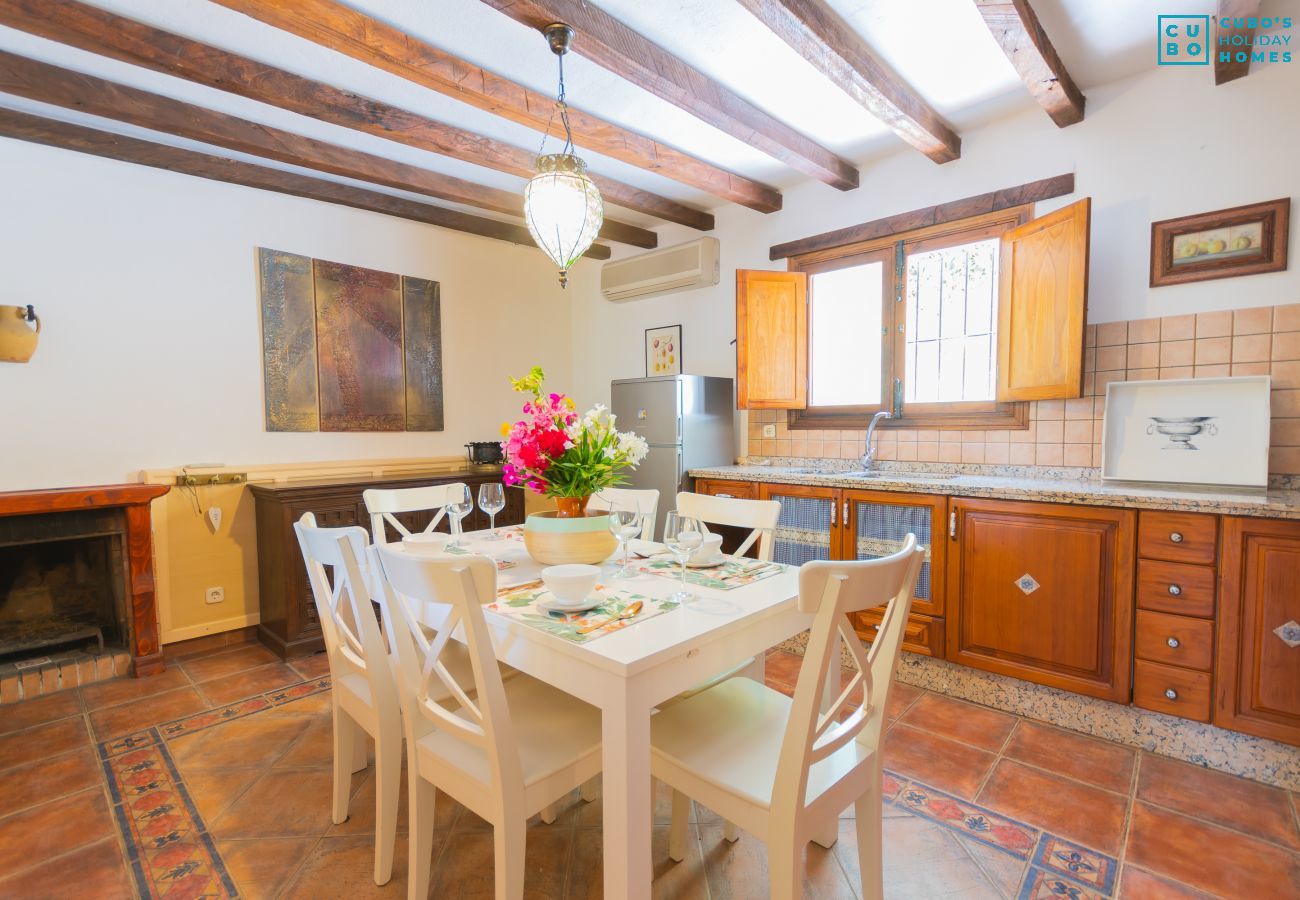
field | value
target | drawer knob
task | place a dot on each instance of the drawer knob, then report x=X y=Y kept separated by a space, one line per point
x=1171 y=694
x=1175 y=590
x=1173 y=642
x=1176 y=537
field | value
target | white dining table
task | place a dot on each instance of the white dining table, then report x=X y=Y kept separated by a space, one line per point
x=627 y=673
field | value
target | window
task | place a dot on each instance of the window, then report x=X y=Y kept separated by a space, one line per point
x=909 y=325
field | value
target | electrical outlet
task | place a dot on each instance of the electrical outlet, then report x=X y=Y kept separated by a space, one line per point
x=769 y=431
x=214 y=594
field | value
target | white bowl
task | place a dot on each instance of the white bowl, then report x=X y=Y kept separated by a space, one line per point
x=709 y=550
x=432 y=543
x=571 y=583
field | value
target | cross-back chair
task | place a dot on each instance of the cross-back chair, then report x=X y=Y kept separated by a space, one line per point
x=506 y=750
x=647 y=504
x=385 y=504
x=784 y=768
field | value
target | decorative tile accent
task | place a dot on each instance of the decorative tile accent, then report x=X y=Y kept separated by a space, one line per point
x=1064 y=858
x=1040 y=885
x=968 y=819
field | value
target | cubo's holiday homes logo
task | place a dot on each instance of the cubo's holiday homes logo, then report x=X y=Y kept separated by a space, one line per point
x=1195 y=40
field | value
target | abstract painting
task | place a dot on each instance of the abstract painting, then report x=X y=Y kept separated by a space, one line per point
x=347 y=348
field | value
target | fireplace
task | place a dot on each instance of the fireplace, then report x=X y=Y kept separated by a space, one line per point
x=76 y=573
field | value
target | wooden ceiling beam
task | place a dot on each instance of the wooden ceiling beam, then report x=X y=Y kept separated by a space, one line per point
x=1016 y=28
x=72 y=90
x=345 y=30
x=1232 y=11
x=106 y=34
x=64 y=135
x=833 y=48
x=611 y=44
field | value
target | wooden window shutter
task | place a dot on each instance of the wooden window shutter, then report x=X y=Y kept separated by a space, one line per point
x=1043 y=306
x=771 y=339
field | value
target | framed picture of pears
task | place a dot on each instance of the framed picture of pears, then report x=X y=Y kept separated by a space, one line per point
x=1244 y=240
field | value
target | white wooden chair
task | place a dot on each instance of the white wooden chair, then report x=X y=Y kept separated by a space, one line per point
x=512 y=750
x=784 y=769
x=384 y=505
x=760 y=515
x=647 y=503
x=364 y=695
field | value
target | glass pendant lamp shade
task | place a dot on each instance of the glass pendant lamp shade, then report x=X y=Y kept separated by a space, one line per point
x=563 y=209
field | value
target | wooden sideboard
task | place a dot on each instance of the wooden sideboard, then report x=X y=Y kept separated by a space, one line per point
x=289 y=624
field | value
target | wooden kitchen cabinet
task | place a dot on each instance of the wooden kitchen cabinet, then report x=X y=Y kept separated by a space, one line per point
x=808 y=527
x=744 y=490
x=1043 y=592
x=1257 y=673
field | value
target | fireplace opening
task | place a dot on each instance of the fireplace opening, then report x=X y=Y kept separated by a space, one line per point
x=61 y=594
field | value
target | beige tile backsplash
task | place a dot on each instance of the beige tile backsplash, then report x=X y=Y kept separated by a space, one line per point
x=1260 y=341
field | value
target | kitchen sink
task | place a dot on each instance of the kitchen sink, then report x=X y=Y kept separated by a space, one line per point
x=897 y=476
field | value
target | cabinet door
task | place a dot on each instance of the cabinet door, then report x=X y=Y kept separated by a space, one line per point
x=806 y=529
x=771 y=339
x=1257 y=673
x=744 y=490
x=1043 y=592
x=875 y=524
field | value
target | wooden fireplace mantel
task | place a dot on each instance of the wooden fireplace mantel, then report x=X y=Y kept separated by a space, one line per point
x=133 y=500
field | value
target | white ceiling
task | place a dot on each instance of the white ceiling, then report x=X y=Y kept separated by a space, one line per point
x=940 y=47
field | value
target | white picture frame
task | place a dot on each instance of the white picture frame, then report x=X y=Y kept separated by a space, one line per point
x=1211 y=431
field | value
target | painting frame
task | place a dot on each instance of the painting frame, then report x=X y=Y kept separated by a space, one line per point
x=1188 y=431
x=1178 y=245
x=658 y=361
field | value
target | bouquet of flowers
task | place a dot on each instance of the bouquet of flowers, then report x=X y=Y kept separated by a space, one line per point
x=555 y=452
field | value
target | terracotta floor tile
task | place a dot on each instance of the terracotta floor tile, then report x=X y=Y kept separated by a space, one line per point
x=254 y=742
x=976 y=725
x=1138 y=884
x=125 y=718
x=1210 y=858
x=46 y=779
x=782 y=667
x=311 y=705
x=345 y=867
x=901 y=696
x=101 y=873
x=1079 y=812
x=313 y=666
x=124 y=690
x=260 y=868
x=229 y=688
x=214 y=791
x=739 y=870
x=465 y=867
x=44 y=741
x=922 y=860
x=223 y=664
x=947 y=765
x=315 y=747
x=361 y=806
x=1248 y=806
x=17 y=716
x=283 y=803
x=1002 y=869
x=1086 y=759
x=31 y=837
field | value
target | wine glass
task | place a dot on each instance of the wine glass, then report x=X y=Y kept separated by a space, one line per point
x=492 y=499
x=624 y=524
x=459 y=505
x=683 y=535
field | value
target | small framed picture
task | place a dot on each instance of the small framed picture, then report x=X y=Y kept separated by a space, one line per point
x=663 y=351
x=1244 y=240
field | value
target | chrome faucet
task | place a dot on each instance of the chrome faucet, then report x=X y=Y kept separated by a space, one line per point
x=868 y=458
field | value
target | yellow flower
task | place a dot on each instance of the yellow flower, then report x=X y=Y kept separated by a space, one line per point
x=505 y=429
x=568 y=401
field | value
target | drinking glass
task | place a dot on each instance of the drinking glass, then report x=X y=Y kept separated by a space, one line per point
x=461 y=505
x=492 y=499
x=624 y=524
x=683 y=535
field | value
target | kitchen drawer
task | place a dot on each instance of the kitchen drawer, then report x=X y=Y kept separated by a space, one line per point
x=1153 y=685
x=1176 y=640
x=922 y=634
x=1178 y=537
x=1180 y=588
x=745 y=490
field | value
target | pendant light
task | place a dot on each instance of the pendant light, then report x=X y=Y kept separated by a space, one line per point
x=562 y=206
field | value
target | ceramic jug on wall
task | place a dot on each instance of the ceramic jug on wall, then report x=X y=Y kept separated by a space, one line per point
x=19 y=328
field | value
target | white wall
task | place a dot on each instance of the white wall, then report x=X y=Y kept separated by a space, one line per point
x=150 y=357
x=1165 y=144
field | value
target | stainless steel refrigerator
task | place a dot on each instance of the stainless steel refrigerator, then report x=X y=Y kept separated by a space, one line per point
x=688 y=421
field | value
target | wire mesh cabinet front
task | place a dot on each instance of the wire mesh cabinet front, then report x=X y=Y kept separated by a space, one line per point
x=877 y=523
x=808 y=527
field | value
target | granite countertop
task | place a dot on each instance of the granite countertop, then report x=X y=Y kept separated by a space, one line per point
x=1056 y=485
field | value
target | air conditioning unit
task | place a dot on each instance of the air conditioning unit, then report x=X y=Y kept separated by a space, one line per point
x=680 y=268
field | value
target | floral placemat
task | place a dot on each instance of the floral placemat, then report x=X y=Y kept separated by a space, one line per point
x=521 y=603
x=502 y=564
x=732 y=574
